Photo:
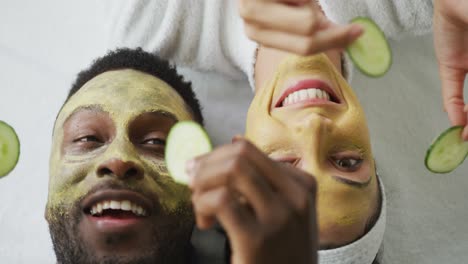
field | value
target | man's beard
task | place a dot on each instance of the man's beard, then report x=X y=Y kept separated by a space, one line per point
x=171 y=242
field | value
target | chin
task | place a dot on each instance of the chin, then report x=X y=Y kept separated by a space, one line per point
x=161 y=238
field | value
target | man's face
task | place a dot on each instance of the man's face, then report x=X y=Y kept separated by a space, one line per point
x=110 y=196
x=306 y=114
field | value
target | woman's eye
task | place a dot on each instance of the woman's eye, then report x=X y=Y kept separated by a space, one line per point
x=348 y=164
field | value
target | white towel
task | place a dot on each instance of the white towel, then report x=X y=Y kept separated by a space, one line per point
x=397 y=18
x=203 y=34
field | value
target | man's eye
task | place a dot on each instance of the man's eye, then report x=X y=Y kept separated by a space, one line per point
x=348 y=164
x=155 y=141
x=87 y=139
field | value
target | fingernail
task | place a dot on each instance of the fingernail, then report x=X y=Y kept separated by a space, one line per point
x=465 y=134
x=356 y=31
x=465 y=138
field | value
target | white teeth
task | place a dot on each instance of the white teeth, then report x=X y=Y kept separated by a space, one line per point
x=135 y=209
x=114 y=205
x=125 y=205
x=303 y=95
x=138 y=210
x=296 y=97
x=322 y=95
x=306 y=94
x=325 y=95
x=311 y=93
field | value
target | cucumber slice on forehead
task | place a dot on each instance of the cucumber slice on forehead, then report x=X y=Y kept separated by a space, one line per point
x=186 y=140
x=371 y=52
x=447 y=151
x=9 y=149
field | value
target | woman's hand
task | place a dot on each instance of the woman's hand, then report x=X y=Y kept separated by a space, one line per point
x=297 y=26
x=451 y=46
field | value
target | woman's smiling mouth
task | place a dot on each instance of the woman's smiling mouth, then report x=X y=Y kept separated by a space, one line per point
x=310 y=92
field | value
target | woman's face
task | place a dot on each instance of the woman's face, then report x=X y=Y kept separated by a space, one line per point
x=304 y=113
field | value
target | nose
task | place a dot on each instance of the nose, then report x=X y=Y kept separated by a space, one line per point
x=124 y=170
x=313 y=131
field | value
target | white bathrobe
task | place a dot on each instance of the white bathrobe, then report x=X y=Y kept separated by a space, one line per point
x=208 y=34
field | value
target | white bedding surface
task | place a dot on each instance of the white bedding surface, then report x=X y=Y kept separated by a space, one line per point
x=43 y=44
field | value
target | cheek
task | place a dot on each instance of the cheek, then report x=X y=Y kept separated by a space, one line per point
x=336 y=58
x=266 y=64
x=170 y=194
x=343 y=214
x=337 y=235
x=67 y=184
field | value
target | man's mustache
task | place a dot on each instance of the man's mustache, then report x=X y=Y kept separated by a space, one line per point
x=115 y=186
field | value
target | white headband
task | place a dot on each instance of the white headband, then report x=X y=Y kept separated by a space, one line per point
x=364 y=250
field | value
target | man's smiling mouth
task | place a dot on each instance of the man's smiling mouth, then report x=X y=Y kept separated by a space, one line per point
x=116 y=204
x=114 y=207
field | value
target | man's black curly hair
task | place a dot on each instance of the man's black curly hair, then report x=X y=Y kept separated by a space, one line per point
x=140 y=60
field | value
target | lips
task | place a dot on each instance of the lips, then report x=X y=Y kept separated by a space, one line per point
x=115 y=210
x=108 y=202
x=308 y=91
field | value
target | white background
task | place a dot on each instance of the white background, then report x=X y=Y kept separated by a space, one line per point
x=43 y=44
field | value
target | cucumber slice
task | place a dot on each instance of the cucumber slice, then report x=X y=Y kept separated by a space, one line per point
x=447 y=151
x=186 y=140
x=9 y=149
x=371 y=52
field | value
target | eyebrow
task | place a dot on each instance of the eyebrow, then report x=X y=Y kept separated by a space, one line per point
x=91 y=108
x=98 y=108
x=355 y=184
x=163 y=113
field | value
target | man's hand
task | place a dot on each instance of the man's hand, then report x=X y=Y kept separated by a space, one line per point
x=451 y=46
x=297 y=26
x=266 y=208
